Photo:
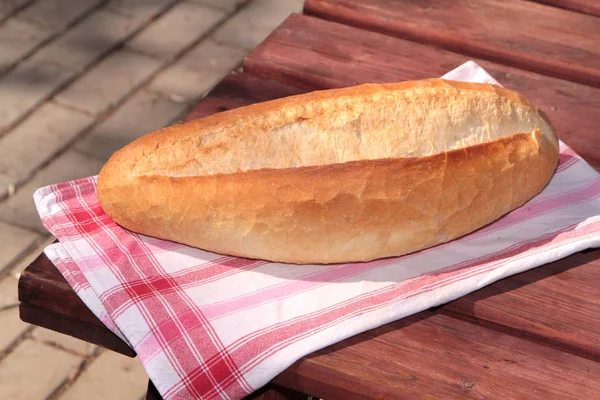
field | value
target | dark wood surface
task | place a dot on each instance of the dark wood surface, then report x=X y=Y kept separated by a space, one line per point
x=432 y=356
x=237 y=90
x=591 y=7
x=533 y=335
x=518 y=33
x=557 y=304
x=310 y=53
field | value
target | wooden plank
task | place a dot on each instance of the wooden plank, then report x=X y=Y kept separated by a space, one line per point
x=591 y=7
x=437 y=357
x=558 y=303
x=312 y=53
x=517 y=33
x=239 y=89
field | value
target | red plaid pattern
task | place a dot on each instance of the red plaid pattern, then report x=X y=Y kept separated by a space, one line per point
x=208 y=326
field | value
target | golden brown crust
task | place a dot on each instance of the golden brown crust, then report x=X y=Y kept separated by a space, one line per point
x=356 y=210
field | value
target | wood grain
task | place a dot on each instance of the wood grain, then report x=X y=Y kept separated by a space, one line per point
x=312 y=53
x=431 y=356
x=238 y=89
x=517 y=33
x=591 y=7
x=557 y=304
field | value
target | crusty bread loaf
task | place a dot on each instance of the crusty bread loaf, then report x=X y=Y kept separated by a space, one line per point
x=341 y=175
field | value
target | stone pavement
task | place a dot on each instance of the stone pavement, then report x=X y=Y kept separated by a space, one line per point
x=78 y=80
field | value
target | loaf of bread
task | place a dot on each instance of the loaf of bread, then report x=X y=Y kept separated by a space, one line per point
x=341 y=175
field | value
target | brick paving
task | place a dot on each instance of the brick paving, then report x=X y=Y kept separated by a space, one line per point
x=78 y=80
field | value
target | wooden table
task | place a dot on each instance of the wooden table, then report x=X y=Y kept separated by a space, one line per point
x=532 y=335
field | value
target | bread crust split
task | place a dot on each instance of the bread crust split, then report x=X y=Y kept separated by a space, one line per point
x=342 y=175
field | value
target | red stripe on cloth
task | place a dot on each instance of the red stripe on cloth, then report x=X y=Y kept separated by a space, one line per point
x=188 y=278
x=61 y=224
x=92 y=262
x=543 y=206
x=72 y=274
x=289 y=288
x=567 y=158
x=227 y=387
x=187 y=338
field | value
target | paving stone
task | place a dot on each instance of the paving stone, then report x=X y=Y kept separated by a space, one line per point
x=7 y=7
x=20 y=209
x=34 y=370
x=5 y=186
x=8 y=292
x=177 y=29
x=12 y=329
x=253 y=23
x=17 y=39
x=142 y=113
x=227 y=5
x=109 y=81
x=57 y=14
x=15 y=243
x=31 y=255
x=197 y=71
x=26 y=87
x=110 y=376
x=140 y=10
x=88 y=41
x=37 y=140
x=65 y=341
x=42 y=74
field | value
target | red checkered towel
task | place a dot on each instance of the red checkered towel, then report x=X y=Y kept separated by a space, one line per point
x=209 y=326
